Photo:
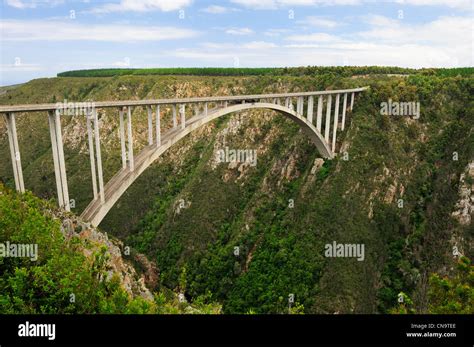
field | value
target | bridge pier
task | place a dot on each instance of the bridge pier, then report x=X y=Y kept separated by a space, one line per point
x=299 y=105
x=150 y=124
x=58 y=159
x=158 y=126
x=344 y=107
x=130 y=139
x=352 y=100
x=336 y=119
x=182 y=112
x=175 y=120
x=310 y=109
x=15 y=152
x=320 y=113
x=328 y=118
x=90 y=137
x=122 y=139
x=98 y=156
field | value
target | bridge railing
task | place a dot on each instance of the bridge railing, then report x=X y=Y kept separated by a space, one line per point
x=295 y=103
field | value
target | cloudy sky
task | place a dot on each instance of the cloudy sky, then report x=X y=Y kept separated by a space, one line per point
x=40 y=38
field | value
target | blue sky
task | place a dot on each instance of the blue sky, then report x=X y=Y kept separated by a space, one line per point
x=40 y=38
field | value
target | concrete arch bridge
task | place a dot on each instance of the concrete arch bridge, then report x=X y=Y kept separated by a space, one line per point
x=305 y=109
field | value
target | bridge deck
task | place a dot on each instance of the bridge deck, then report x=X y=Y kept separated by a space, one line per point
x=102 y=104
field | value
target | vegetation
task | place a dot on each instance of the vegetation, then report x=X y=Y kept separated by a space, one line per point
x=447 y=294
x=207 y=71
x=63 y=279
x=342 y=71
x=281 y=248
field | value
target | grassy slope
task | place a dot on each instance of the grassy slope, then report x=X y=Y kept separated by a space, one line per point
x=281 y=249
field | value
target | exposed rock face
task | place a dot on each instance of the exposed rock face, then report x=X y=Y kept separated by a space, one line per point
x=151 y=273
x=72 y=226
x=465 y=205
x=318 y=163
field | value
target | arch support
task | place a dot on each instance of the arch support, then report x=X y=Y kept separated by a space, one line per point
x=114 y=189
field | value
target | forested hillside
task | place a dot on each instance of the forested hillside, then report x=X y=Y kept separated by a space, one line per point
x=398 y=186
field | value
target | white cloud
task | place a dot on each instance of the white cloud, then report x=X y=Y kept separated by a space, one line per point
x=460 y=4
x=258 y=45
x=444 y=31
x=19 y=67
x=275 y=4
x=439 y=43
x=19 y=30
x=22 y=4
x=315 y=37
x=239 y=31
x=216 y=9
x=316 y=21
x=143 y=6
x=275 y=32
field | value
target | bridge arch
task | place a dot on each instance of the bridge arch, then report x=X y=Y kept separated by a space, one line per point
x=120 y=182
x=105 y=196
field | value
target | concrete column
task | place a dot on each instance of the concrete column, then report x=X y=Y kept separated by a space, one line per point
x=299 y=105
x=62 y=163
x=158 y=126
x=344 y=107
x=150 y=124
x=278 y=101
x=12 y=151
x=122 y=139
x=287 y=102
x=91 y=154
x=58 y=159
x=243 y=101
x=336 y=119
x=310 y=109
x=98 y=157
x=320 y=113
x=205 y=109
x=196 y=110
x=182 y=112
x=175 y=120
x=352 y=100
x=130 y=139
x=327 y=125
x=15 y=152
x=226 y=103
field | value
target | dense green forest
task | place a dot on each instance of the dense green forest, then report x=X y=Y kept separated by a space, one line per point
x=280 y=213
x=340 y=71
